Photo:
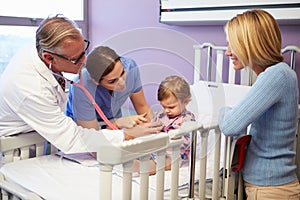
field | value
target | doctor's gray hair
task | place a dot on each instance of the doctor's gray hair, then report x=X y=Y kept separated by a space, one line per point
x=53 y=31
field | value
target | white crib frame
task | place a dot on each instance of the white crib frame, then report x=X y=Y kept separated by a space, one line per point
x=172 y=140
x=8 y=144
x=26 y=141
x=24 y=144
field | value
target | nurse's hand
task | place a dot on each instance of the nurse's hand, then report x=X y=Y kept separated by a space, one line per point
x=142 y=130
x=131 y=121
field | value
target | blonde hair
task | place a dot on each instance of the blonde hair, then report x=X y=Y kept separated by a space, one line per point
x=53 y=31
x=254 y=36
x=174 y=85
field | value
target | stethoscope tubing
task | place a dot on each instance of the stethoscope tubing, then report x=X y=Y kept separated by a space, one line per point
x=92 y=100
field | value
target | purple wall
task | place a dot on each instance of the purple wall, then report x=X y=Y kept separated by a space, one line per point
x=132 y=28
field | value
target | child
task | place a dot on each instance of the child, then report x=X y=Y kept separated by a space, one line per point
x=174 y=94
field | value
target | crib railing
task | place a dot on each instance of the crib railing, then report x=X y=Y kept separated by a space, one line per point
x=22 y=146
x=211 y=58
x=173 y=141
x=19 y=147
x=125 y=153
x=140 y=148
x=293 y=51
x=204 y=132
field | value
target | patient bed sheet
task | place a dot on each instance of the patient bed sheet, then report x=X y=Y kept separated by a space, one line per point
x=55 y=178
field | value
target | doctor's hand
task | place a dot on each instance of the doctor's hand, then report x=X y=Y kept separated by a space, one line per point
x=131 y=121
x=143 y=130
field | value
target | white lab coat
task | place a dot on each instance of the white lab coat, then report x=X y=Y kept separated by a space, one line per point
x=31 y=99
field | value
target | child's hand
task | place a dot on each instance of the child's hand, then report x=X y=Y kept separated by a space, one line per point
x=139 y=119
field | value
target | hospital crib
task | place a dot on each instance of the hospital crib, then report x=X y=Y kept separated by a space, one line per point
x=122 y=154
x=207 y=138
x=208 y=95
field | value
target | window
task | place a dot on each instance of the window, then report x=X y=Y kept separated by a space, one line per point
x=18 y=25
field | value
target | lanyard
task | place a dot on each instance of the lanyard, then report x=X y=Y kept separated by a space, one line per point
x=92 y=100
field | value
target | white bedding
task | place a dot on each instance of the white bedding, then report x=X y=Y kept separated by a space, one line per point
x=55 y=178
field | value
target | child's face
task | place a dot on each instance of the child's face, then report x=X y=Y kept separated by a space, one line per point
x=172 y=106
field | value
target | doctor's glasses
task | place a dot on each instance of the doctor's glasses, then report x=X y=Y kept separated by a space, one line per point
x=76 y=60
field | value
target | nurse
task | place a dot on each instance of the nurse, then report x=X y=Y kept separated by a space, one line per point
x=111 y=80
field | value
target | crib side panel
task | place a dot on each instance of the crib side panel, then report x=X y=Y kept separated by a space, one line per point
x=23 y=146
x=13 y=148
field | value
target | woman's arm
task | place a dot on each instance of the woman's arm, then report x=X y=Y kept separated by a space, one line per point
x=266 y=91
x=89 y=124
x=140 y=104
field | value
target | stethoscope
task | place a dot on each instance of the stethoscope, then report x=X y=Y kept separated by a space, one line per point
x=89 y=96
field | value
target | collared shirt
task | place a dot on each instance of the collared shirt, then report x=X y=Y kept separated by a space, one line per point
x=32 y=99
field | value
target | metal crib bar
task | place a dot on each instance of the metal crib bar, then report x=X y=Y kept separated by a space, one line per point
x=20 y=142
x=53 y=149
x=192 y=163
x=240 y=187
x=127 y=180
x=24 y=154
x=144 y=177
x=39 y=149
x=175 y=157
x=197 y=73
x=294 y=50
x=105 y=181
x=160 y=174
x=203 y=160
x=293 y=60
x=215 y=187
x=219 y=65
x=231 y=74
x=209 y=64
x=4 y=194
x=228 y=175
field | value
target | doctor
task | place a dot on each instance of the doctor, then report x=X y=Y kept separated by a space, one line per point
x=32 y=96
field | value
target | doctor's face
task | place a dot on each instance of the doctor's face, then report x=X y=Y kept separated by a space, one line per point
x=116 y=79
x=237 y=64
x=70 y=57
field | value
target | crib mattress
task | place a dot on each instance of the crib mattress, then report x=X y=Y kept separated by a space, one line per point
x=55 y=178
